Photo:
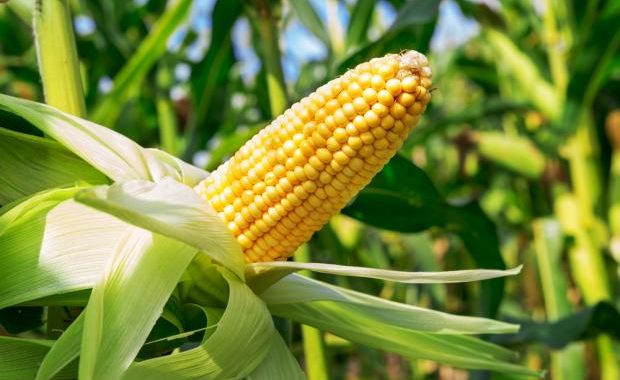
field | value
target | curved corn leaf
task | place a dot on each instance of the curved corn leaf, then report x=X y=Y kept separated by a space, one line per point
x=295 y=289
x=30 y=164
x=173 y=210
x=111 y=153
x=53 y=245
x=237 y=346
x=388 y=328
x=263 y=274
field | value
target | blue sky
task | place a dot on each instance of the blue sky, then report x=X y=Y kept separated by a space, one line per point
x=298 y=44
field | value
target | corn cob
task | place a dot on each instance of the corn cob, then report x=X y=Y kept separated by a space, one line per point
x=288 y=180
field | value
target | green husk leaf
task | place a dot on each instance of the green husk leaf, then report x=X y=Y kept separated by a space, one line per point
x=111 y=153
x=52 y=245
x=30 y=164
x=173 y=210
x=126 y=302
x=237 y=346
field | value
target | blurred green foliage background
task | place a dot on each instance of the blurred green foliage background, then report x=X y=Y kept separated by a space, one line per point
x=517 y=160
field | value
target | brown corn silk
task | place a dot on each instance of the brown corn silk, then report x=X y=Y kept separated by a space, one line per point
x=288 y=180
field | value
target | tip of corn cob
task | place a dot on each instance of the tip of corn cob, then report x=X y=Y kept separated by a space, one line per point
x=289 y=179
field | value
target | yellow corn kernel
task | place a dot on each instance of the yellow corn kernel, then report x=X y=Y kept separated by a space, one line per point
x=286 y=182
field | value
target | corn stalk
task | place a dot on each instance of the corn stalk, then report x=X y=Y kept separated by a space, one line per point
x=57 y=55
x=583 y=155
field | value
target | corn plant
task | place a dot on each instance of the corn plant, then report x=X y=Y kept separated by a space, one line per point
x=125 y=262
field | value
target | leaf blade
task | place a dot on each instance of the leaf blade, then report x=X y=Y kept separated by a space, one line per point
x=245 y=327
x=30 y=164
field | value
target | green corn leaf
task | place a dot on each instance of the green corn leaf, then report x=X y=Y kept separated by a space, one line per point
x=412 y=29
x=19 y=358
x=403 y=198
x=30 y=164
x=78 y=298
x=240 y=342
x=585 y=324
x=111 y=153
x=173 y=210
x=308 y=17
x=295 y=289
x=445 y=277
x=262 y=275
x=361 y=15
x=364 y=325
x=16 y=212
x=133 y=73
x=52 y=245
x=211 y=77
